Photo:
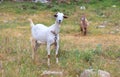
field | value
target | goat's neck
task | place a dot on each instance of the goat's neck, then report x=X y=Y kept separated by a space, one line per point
x=56 y=27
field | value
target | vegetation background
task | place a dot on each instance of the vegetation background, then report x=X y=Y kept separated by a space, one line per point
x=100 y=49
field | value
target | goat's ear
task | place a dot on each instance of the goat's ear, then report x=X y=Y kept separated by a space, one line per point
x=65 y=16
x=55 y=15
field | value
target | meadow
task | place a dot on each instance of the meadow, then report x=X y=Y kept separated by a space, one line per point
x=100 y=49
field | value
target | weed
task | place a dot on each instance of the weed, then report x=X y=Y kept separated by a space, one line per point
x=98 y=50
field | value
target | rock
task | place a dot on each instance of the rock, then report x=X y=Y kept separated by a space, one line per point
x=114 y=6
x=117 y=30
x=94 y=73
x=1 y=1
x=18 y=0
x=103 y=15
x=87 y=73
x=47 y=73
x=101 y=26
x=82 y=7
x=112 y=32
x=102 y=73
x=42 y=1
x=5 y=21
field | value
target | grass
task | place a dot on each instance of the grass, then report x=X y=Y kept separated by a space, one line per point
x=98 y=50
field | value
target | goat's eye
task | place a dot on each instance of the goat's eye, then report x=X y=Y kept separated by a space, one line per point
x=55 y=15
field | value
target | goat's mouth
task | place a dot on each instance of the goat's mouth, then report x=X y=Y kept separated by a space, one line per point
x=59 y=21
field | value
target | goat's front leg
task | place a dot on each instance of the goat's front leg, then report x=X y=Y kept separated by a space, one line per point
x=48 y=50
x=57 y=48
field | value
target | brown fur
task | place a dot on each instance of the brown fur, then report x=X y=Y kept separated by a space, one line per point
x=83 y=25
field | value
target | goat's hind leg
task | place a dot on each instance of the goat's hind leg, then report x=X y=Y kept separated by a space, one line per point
x=35 y=46
x=85 y=31
x=48 y=50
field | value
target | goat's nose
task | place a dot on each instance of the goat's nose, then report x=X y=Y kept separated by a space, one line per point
x=59 y=21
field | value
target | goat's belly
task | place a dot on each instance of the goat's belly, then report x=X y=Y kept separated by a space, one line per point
x=39 y=34
x=40 y=37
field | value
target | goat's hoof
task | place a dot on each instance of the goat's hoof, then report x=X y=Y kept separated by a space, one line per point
x=57 y=62
x=48 y=64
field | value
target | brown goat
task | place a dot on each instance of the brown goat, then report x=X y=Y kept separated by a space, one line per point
x=83 y=25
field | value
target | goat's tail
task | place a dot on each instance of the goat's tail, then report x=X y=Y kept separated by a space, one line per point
x=31 y=22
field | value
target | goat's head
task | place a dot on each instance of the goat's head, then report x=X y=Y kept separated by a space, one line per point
x=59 y=17
x=83 y=17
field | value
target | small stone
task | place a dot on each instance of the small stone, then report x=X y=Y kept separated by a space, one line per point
x=94 y=73
x=114 y=6
x=82 y=7
x=102 y=73
x=59 y=73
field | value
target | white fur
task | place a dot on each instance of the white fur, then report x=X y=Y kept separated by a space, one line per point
x=44 y=35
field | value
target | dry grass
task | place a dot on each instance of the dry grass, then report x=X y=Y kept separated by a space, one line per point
x=16 y=54
x=90 y=41
x=98 y=49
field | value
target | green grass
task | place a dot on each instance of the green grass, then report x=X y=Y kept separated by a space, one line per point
x=18 y=61
x=98 y=50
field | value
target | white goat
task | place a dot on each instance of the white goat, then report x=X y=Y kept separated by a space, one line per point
x=42 y=34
